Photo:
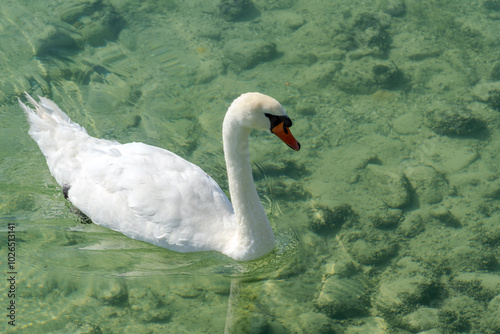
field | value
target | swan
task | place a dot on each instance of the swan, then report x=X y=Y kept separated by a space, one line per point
x=153 y=195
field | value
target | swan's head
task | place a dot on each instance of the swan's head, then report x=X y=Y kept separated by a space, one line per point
x=261 y=112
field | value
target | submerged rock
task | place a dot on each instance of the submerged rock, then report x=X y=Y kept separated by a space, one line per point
x=495 y=72
x=481 y=286
x=455 y=315
x=453 y=122
x=412 y=225
x=367 y=75
x=488 y=233
x=408 y=123
x=370 y=248
x=492 y=5
x=156 y=316
x=56 y=41
x=274 y=4
x=488 y=93
x=313 y=322
x=391 y=187
x=285 y=189
x=493 y=189
x=341 y=298
x=150 y=307
x=82 y=328
x=422 y=319
x=491 y=318
x=319 y=75
x=395 y=8
x=232 y=10
x=209 y=70
x=444 y=216
x=96 y=21
x=322 y=219
x=370 y=31
x=404 y=290
x=366 y=34
x=113 y=292
x=343 y=268
x=371 y=325
x=247 y=54
x=92 y=22
x=386 y=217
x=429 y=185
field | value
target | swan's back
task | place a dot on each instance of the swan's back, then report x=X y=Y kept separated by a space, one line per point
x=154 y=196
x=144 y=192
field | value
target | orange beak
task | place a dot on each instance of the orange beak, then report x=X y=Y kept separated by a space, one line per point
x=284 y=134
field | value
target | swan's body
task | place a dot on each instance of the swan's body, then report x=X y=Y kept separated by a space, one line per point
x=153 y=195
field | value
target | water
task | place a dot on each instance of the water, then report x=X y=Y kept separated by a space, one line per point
x=395 y=105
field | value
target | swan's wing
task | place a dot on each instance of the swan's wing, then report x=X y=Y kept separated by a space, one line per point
x=153 y=195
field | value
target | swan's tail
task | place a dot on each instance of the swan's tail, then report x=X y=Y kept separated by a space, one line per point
x=50 y=127
x=46 y=115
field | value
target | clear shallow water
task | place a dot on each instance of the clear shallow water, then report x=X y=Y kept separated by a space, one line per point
x=370 y=88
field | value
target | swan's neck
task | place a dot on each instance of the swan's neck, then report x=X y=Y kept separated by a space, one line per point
x=254 y=236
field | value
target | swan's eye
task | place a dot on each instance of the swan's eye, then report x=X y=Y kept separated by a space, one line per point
x=277 y=120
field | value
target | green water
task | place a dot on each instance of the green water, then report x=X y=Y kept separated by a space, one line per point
x=396 y=105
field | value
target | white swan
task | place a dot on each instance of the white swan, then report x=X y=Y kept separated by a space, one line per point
x=153 y=195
